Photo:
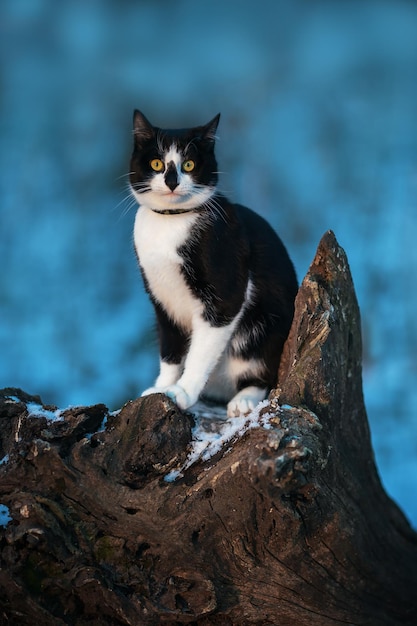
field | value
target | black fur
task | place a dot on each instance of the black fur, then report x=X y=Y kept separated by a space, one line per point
x=237 y=245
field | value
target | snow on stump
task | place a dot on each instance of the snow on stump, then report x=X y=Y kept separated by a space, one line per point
x=153 y=516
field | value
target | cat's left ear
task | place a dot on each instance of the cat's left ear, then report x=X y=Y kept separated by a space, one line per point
x=142 y=128
x=208 y=131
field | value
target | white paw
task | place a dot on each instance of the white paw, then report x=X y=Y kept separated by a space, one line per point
x=152 y=390
x=245 y=401
x=179 y=396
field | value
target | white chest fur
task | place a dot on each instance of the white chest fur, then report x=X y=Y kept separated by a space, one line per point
x=157 y=239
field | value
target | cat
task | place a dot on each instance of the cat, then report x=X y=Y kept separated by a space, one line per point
x=220 y=279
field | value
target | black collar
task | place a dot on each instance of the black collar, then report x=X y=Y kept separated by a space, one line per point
x=173 y=211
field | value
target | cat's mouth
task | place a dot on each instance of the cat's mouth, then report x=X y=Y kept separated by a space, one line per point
x=174 y=196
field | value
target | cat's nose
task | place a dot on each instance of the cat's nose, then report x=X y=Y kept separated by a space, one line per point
x=171 y=178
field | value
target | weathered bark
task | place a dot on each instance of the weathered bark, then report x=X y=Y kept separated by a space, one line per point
x=289 y=525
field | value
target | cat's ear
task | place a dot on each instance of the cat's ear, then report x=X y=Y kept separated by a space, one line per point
x=208 y=131
x=142 y=128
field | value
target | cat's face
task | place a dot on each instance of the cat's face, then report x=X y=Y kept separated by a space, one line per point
x=173 y=170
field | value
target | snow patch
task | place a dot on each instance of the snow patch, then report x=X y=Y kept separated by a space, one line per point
x=206 y=442
x=37 y=410
x=58 y=415
x=13 y=399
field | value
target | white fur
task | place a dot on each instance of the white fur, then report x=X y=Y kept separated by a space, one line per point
x=157 y=238
x=174 y=155
x=238 y=367
x=245 y=401
x=169 y=373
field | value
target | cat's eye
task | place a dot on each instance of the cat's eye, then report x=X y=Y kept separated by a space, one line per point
x=157 y=165
x=188 y=165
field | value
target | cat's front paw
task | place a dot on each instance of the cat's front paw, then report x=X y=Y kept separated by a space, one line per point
x=178 y=395
x=245 y=401
x=152 y=390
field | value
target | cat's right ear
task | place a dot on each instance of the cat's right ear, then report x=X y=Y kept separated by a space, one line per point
x=142 y=128
x=209 y=130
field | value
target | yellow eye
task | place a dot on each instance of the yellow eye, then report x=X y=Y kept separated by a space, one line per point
x=157 y=165
x=188 y=166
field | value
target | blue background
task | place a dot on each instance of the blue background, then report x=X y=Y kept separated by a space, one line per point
x=318 y=131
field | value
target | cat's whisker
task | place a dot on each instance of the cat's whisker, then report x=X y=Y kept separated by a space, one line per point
x=141 y=187
x=124 y=175
x=130 y=204
x=160 y=136
x=189 y=144
x=126 y=197
x=125 y=212
x=216 y=209
x=224 y=191
x=121 y=203
x=213 y=213
x=209 y=204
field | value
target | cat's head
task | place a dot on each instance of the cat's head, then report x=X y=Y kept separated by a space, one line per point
x=173 y=170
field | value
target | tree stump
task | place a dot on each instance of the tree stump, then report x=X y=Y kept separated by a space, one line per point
x=106 y=521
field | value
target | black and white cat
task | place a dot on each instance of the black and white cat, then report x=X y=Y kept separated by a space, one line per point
x=220 y=279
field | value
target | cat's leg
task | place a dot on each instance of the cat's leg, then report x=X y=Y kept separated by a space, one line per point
x=207 y=345
x=169 y=373
x=249 y=377
x=173 y=344
x=253 y=357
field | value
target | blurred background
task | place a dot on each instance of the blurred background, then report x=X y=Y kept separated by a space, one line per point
x=318 y=131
